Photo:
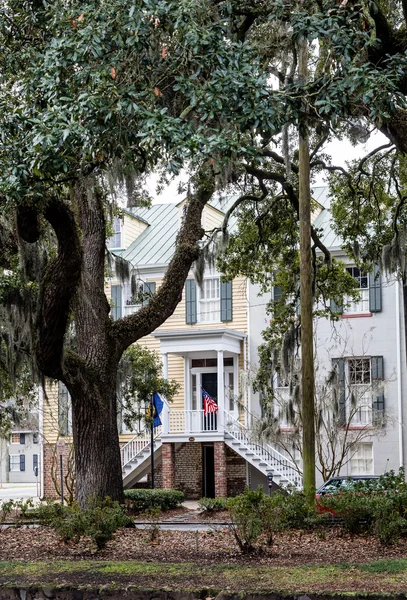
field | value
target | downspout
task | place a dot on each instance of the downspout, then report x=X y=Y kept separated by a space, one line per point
x=41 y=440
x=398 y=367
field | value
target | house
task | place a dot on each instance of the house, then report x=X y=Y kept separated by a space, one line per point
x=23 y=449
x=209 y=345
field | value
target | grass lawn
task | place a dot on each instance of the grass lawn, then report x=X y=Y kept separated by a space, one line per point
x=383 y=577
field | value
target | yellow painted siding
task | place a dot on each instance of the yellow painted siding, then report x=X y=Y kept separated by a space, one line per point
x=132 y=228
x=50 y=412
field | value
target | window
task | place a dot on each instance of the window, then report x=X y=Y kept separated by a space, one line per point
x=138 y=297
x=16 y=462
x=209 y=301
x=361 y=462
x=360 y=391
x=15 y=438
x=362 y=284
x=230 y=391
x=115 y=241
x=35 y=438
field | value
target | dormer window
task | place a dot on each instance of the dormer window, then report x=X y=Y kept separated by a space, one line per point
x=115 y=241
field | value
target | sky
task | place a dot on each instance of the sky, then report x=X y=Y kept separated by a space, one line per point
x=341 y=151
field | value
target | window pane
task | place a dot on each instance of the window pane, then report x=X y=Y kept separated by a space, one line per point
x=14 y=462
x=228 y=362
x=197 y=362
x=211 y=362
x=194 y=393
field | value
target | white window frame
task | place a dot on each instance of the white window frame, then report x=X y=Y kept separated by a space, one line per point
x=362 y=462
x=213 y=303
x=16 y=461
x=361 y=306
x=112 y=240
x=363 y=392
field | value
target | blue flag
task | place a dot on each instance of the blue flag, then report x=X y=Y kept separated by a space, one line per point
x=158 y=406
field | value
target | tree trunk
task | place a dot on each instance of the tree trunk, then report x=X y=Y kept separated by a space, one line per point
x=96 y=441
x=307 y=353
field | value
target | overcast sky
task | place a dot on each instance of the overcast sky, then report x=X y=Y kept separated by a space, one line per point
x=340 y=152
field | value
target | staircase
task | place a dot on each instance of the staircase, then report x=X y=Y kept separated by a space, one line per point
x=135 y=455
x=263 y=456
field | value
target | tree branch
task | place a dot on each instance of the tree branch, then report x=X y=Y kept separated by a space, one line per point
x=164 y=302
x=58 y=287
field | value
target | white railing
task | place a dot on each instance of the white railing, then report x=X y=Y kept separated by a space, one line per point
x=269 y=455
x=192 y=421
x=136 y=445
x=130 y=309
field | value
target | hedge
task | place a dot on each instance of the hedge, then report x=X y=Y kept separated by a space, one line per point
x=142 y=500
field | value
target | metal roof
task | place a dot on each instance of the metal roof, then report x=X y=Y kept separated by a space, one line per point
x=155 y=245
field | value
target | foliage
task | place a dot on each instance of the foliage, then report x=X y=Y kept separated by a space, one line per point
x=139 y=377
x=142 y=500
x=210 y=505
x=245 y=516
x=99 y=520
x=378 y=508
x=152 y=517
x=254 y=513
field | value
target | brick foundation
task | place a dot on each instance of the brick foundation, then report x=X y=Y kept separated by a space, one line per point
x=188 y=469
x=52 y=479
x=168 y=466
x=236 y=472
x=220 y=469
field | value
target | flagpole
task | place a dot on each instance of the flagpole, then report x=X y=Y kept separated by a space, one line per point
x=152 y=439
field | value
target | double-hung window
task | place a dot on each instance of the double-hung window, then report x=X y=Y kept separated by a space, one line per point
x=362 y=284
x=115 y=241
x=361 y=462
x=209 y=301
x=360 y=391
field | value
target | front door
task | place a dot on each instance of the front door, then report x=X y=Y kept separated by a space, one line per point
x=210 y=385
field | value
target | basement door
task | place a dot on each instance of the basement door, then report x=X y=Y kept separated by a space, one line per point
x=208 y=471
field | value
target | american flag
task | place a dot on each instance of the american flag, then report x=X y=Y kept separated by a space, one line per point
x=209 y=403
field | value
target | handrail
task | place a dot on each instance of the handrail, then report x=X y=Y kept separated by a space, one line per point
x=136 y=445
x=284 y=465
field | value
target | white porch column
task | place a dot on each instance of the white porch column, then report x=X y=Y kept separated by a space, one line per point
x=166 y=410
x=187 y=394
x=221 y=390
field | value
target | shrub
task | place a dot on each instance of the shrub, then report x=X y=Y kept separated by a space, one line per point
x=213 y=504
x=246 y=520
x=143 y=500
x=99 y=520
x=354 y=506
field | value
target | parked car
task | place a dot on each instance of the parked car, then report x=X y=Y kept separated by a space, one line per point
x=337 y=484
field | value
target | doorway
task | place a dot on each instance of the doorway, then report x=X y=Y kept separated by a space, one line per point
x=208 y=471
x=210 y=385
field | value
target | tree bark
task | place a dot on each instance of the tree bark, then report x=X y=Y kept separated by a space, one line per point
x=307 y=353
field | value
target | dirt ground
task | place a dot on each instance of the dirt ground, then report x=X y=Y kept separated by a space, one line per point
x=289 y=549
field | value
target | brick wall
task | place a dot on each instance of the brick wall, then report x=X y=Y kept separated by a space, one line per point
x=52 y=471
x=236 y=472
x=220 y=469
x=168 y=465
x=188 y=469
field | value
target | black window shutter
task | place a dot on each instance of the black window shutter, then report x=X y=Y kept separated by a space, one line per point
x=376 y=363
x=375 y=290
x=22 y=438
x=9 y=462
x=339 y=363
x=226 y=308
x=117 y=302
x=336 y=308
x=190 y=302
x=22 y=462
x=35 y=461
